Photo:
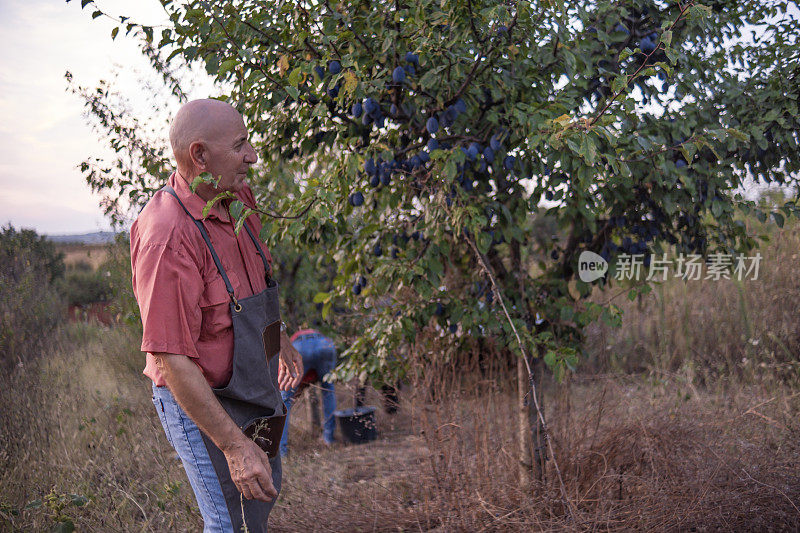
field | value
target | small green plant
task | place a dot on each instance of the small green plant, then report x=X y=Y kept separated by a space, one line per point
x=58 y=503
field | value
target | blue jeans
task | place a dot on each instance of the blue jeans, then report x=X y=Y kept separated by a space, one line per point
x=319 y=354
x=184 y=436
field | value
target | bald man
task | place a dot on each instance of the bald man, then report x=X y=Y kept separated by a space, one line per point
x=217 y=352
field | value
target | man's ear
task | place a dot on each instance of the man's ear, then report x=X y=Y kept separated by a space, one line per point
x=198 y=154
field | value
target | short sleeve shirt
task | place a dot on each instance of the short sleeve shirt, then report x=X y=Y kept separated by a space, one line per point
x=182 y=297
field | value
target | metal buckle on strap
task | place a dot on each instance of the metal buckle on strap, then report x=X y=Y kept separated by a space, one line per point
x=236 y=305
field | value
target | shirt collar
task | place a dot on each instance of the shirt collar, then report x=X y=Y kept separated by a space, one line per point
x=194 y=204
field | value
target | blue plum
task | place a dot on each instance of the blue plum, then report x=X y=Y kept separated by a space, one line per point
x=371 y=106
x=335 y=67
x=432 y=125
x=647 y=45
x=398 y=75
x=357 y=199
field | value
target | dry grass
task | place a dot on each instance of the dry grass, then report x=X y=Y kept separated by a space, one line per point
x=687 y=418
x=717 y=330
x=636 y=453
x=76 y=254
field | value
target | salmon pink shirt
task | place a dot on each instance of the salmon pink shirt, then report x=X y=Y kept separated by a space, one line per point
x=182 y=298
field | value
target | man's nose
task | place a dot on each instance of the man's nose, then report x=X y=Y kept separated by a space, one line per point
x=251 y=156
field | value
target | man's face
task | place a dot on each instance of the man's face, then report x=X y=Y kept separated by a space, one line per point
x=230 y=155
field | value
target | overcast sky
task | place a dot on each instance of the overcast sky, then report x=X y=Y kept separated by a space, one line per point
x=43 y=135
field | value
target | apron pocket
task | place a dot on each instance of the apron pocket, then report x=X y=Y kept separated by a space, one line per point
x=266 y=432
x=271 y=338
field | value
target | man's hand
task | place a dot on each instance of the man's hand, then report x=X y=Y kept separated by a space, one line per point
x=248 y=464
x=250 y=470
x=290 y=365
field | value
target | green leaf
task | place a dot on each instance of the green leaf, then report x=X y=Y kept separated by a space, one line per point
x=716 y=209
x=78 y=500
x=114 y=33
x=295 y=77
x=64 y=527
x=34 y=504
x=96 y=14
x=292 y=91
x=666 y=37
x=226 y=66
x=236 y=209
x=779 y=220
x=322 y=297
x=737 y=134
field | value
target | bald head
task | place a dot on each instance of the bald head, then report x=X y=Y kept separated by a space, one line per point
x=210 y=136
x=200 y=121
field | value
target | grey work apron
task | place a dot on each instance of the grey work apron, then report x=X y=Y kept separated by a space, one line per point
x=251 y=397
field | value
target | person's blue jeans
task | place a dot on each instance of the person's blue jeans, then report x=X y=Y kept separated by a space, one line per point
x=319 y=354
x=185 y=437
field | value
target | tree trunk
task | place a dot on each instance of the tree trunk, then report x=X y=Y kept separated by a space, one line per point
x=524 y=426
x=313 y=406
x=539 y=448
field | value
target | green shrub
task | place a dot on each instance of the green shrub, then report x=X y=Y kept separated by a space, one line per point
x=30 y=306
x=80 y=287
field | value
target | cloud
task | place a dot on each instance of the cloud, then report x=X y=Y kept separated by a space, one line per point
x=43 y=136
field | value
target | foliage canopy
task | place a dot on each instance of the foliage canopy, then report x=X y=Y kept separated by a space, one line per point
x=430 y=133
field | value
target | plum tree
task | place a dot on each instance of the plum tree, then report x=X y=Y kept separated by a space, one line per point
x=556 y=91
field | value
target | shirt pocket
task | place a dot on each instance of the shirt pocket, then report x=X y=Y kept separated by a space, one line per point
x=215 y=306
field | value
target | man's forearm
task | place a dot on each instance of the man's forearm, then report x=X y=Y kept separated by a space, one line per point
x=191 y=390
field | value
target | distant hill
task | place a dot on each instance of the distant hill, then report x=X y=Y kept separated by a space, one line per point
x=98 y=237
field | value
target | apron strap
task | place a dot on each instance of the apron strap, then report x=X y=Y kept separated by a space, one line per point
x=261 y=253
x=206 y=238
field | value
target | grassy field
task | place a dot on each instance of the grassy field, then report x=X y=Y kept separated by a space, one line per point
x=75 y=254
x=656 y=452
x=686 y=418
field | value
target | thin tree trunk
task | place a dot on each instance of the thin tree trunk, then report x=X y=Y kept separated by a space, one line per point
x=539 y=447
x=313 y=406
x=524 y=426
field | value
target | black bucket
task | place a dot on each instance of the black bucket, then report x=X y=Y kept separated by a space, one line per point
x=358 y=425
